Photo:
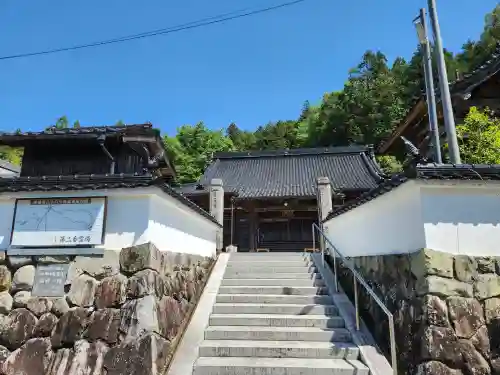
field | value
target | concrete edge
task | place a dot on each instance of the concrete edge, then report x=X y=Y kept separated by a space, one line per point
x=368 y=350
x=187 y=351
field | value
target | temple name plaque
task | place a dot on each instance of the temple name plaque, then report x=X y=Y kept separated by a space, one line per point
x=50 y=280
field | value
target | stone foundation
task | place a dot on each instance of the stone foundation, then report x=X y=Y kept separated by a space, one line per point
x=122 y=313
x=446 y=310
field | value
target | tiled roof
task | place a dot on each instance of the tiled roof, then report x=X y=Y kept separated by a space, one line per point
x=292 y=173
x=16 y=138
x=94 y=182
x=115 y=129
x=424 y=172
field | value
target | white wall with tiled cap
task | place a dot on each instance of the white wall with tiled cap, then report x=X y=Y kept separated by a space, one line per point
x=134 y=216
x=453 y=216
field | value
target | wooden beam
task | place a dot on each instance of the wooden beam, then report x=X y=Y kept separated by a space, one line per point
x=419 y=109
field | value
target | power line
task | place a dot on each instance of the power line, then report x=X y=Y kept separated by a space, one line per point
x=186 y=26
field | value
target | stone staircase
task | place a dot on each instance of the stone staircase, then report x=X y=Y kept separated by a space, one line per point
x=273 y=316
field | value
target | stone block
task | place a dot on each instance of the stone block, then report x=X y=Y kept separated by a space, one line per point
x=144 y=283
x=171 y=315
x=487 y=286
x=105 y=326
x=435 y=311
x=39 y=305
x=5 y=279
x=98 y=267
x=111 y=291
x=466 y=315
x=21 y=298
x=70 y=327
x=474 y=362
x=140 y=257
x=486 y=264
x=32 y=358
x=138 y=316
x=82 y=292
x=148 y=355
x=465 y=268
x=429 y=262
x=436 y=368
x=83 y=358
x=23 y=278
x=492 y=309
x=19 y=261
x=443 y=287
x=45 y=324
x=60 y=306
x=18 y=327
x=441 y=344
x=481 y=341
x=4 y=354
x=6 y=302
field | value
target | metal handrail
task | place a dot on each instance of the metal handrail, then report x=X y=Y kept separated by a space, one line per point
x=358 y=278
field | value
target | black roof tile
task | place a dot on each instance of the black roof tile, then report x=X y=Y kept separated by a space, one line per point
x=291 y=173
x=17 y=138
x=95 y=182
x=424 y=172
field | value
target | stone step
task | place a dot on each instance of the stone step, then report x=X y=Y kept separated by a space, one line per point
x=278 y=275
x=277 y=333
x=276 y=366
x=272 y=308
x=274 y=320
x=272 y=299
x=266 y=255
x=285 y=290
x=278 y=349
x=268 y=263
x=272 y=282
x=268 y=269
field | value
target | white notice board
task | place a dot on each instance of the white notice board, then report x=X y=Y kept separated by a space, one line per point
x=59 y=222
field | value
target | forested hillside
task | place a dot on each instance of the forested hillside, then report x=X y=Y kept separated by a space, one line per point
x=374 y=99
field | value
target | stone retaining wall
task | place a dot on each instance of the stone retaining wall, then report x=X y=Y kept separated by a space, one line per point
x=122 y=313
x=446 y=310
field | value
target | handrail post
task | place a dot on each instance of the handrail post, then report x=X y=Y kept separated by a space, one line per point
x=336 y=278
x=314 y=237
x=356 y=301
x=392 y=338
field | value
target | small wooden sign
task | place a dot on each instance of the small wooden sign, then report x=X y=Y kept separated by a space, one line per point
x=50 y=280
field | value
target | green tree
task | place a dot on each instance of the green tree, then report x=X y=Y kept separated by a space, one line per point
x=62 y=123
x=12 y=155
x=389 y=164
x=242 y=140
x=479 y=138
x=192 y=148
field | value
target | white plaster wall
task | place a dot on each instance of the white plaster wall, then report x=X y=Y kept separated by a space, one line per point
x=457 y=217
x=462 y=218
x=134 y=217
x=388 y=224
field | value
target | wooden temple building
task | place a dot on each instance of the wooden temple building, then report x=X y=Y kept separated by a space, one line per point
x=480 y=88
x=270 y=196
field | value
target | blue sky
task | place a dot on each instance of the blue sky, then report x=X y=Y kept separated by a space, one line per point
x=248 y=71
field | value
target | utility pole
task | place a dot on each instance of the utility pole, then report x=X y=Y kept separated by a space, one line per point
x=422 y=32
x=449 y=120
